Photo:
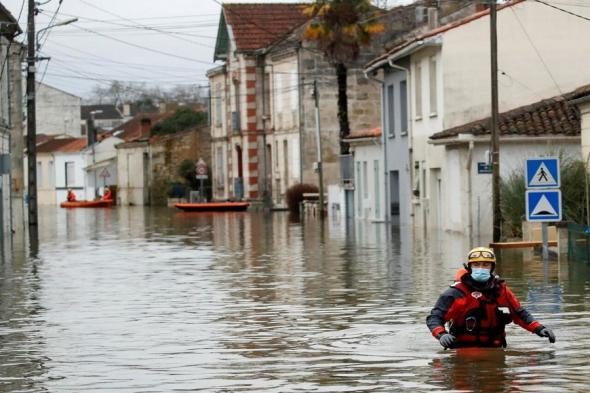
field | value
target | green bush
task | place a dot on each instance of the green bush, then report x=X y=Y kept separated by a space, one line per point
x=295 y=193
x=183 y=119
x=573 y=196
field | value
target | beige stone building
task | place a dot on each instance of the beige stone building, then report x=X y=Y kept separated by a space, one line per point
x=263 y=111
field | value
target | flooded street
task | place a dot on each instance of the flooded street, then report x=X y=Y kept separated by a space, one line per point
x=152 y=300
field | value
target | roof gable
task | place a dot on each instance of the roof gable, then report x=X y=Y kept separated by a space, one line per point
x=256 y=26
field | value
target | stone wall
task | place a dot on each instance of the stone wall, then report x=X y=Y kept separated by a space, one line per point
x=169 y=151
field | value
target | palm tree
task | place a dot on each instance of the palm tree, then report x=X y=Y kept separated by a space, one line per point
x=341 y=28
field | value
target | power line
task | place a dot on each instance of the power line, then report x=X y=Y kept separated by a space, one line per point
x=536 y=50
x=144 y=47
x=142 y=26
x=562 y=10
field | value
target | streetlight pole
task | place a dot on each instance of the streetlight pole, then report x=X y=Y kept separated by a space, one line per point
x=32 y=47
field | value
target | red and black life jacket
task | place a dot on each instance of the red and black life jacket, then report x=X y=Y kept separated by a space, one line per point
x=475 y=319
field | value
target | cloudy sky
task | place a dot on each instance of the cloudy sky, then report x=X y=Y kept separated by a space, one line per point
x=152 y=41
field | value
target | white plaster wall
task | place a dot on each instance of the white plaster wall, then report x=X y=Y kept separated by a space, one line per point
x=512 y=158
x=46 y=194
x=58 y=112
x=466 y=60
x=220 y=186
x=372 y=204
x=130 y=173
x=585 y=133
x=284 y=165
x=430 y=158
x=79 y=161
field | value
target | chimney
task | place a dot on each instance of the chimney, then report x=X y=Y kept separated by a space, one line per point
x=146 y=126
x=432 y=18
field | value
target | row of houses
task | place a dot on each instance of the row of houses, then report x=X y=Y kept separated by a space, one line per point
x=419 y=109
x=129 y=159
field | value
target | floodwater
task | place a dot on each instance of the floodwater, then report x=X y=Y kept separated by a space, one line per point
x=153 y=300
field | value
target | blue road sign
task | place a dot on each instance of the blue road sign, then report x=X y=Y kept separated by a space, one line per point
x=542 y=172
x=543 y=205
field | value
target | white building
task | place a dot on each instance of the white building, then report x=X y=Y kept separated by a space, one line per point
x=101 y=165
x=367 y=150
x=60 y=167
x=448 y=73
x=58 y=112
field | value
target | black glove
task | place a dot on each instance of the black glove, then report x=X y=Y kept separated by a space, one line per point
x=542 y=331
x=446 y=340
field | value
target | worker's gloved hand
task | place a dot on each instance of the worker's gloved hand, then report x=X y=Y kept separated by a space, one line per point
x=446 y=340
x=542 y=331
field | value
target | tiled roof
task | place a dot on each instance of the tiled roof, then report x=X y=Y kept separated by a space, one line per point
x=552 y=117
x=432 y=33
x=62 y=145
x=42 y=138
x=108 y=112
x=256 y=26
x=365 y=133
x=132 y=129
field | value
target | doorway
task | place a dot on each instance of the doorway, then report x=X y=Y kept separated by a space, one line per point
x=394 y=196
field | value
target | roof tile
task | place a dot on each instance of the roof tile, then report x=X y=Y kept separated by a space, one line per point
x=256 y=26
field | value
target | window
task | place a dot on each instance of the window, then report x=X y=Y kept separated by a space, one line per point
x=51 y=174
x=286 y=163
x=266 y=102
x=220 y=172
x=365 y=181
x=432 y=85
x=70 y=174
x=40 y=173
x=278 y=88
x=377 y=188
x=418 y=84
x=358 y=194
x=294 y=98
x=218 y=106
x=403 y=104
x=390 y=112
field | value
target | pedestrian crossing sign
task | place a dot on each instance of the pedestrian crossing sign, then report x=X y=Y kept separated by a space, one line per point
x=542 y=172
x=543 y=205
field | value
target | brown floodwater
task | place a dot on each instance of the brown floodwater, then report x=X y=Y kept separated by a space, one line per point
x=153 y=300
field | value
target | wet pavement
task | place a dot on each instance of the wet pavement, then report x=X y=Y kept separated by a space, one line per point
x=152 y=300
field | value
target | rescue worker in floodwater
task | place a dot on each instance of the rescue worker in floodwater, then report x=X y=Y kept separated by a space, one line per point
x=471 y=306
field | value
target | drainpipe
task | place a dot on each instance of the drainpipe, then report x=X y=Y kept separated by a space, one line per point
x=384 y=142
x=409 y=100
x=301 y=82
x=470 y=194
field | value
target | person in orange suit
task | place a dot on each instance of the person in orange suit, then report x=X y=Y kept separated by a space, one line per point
x=471 y=308
x=71 y=197
x=107 y=196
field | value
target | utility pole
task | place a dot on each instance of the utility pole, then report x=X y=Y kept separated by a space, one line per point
x=17 y=141
x=495 y=137
x=31 y=119
x=319 y=147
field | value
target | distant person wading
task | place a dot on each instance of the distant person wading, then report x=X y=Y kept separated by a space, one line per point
x=471 y=307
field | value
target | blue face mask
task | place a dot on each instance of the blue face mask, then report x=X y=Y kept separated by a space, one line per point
x=480 y=275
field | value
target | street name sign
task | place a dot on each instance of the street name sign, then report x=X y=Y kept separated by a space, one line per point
x=542 y=172
x=543 y=205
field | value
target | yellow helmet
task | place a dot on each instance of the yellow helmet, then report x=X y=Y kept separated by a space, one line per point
x=481 y=254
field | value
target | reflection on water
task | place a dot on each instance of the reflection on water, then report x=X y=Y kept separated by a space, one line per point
x=134 y=299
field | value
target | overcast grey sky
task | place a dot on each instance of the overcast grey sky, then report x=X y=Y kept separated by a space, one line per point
x=153 y=41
